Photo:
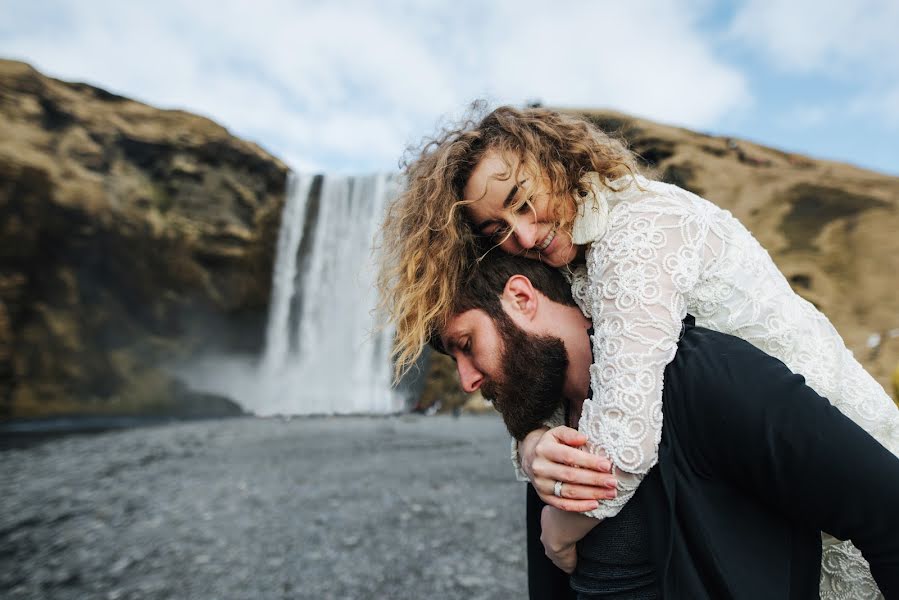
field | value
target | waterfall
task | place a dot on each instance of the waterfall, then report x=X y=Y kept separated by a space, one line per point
x=324 y=352
x=292 y=219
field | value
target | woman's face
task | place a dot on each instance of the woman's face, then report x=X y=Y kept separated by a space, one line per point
x=533 y=232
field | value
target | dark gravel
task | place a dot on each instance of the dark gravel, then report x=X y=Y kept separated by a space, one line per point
x=353 y=507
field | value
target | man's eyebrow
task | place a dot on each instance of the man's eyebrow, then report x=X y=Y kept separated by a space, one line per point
x=449 y=343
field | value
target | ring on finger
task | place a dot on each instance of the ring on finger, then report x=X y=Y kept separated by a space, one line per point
x=557 y=489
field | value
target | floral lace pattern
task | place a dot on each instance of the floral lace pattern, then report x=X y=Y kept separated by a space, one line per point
x=845 y=574
x=666 y=252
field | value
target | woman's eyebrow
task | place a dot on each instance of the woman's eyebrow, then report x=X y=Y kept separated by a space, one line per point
x=508 y=201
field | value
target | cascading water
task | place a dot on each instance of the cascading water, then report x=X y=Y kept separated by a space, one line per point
x=324 y=351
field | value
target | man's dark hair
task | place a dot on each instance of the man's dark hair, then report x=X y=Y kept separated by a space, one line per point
x=486 y=279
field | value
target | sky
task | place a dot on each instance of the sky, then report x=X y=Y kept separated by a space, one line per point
x=347 y=86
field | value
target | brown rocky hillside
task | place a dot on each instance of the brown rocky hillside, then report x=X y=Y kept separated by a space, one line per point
x=128 y=236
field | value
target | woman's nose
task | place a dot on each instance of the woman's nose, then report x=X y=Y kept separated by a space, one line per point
x=469 y=376
x=524 y=234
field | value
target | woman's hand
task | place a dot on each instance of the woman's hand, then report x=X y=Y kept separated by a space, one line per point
x=551 y=455
x=560 y=533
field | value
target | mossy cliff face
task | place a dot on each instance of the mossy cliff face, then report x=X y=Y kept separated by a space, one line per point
x=127 y=234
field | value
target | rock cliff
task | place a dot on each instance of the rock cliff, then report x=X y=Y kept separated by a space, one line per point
x=127 y=235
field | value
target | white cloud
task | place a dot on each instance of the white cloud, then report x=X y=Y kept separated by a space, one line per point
x=347 y=84
x=835 y=37
x=853 y=43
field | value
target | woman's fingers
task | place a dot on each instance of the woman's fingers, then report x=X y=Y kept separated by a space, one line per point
x=574 y=497
x=584 y=492
x=551 y=471
x=547 y=487
x=559 y=445
x=559 y=453
x=569 y=436
x=569 y=505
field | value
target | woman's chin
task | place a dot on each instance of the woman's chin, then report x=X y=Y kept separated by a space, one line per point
x=559 y=257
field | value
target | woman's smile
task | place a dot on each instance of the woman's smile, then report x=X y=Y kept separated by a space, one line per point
x=544 y=245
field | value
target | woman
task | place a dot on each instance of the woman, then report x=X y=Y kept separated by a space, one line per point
x=641 y=254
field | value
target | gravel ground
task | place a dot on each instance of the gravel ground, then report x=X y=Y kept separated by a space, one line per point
x=350 y=507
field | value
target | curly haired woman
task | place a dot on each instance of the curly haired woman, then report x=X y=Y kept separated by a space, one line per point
x=640 y=255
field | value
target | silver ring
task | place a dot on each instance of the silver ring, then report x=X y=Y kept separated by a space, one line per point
x=557 y=489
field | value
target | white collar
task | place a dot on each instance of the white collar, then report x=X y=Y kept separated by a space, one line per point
x=592 y=211
x=592 y=217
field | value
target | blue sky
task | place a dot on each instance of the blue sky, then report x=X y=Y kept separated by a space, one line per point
x=345 y=86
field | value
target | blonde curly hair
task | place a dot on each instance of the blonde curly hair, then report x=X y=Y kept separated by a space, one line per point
x=427 y=241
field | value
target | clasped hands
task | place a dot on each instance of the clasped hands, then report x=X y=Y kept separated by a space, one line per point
x=554 y=455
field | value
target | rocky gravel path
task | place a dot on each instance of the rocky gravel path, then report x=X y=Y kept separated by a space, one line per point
x=351 y=507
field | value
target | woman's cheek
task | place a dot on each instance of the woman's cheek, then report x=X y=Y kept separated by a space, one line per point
x=510 y=246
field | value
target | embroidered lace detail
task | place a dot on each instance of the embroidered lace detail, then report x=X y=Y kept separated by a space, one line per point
x=845 y=574
x=667 y=252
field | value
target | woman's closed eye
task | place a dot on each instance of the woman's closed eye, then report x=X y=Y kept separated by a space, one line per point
x=501 y=231
x=495 y=229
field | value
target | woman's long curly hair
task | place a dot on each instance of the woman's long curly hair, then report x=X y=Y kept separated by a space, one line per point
x=428 y=243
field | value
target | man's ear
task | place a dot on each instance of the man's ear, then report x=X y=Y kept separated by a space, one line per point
x=520 y=298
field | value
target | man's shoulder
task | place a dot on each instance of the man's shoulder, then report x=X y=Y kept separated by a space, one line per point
x=713 y=361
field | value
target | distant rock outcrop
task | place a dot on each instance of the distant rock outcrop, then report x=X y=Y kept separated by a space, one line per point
x=127 y=235
x=832 y=228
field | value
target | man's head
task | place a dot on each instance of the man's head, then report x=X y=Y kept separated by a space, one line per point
x=507 y=335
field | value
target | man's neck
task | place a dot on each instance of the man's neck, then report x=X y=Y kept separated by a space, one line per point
x=573 y=332
x=574 y=412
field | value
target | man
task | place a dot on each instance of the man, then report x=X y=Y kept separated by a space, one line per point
x=753 y=464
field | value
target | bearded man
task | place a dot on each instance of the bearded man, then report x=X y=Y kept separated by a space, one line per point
x=753 y=464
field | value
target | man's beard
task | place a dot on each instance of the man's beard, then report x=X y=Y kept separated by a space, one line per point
x=532 y=377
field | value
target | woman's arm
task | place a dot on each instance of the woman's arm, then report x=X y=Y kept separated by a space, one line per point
x=639 y=273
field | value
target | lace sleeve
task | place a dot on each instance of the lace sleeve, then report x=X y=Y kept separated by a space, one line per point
x=639 y=273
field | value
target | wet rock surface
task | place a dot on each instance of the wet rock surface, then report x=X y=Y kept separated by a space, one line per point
x=353 y=507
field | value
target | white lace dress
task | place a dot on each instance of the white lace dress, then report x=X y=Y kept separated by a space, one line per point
x=658 y=252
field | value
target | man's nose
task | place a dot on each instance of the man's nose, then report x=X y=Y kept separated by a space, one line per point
x=470 y=378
